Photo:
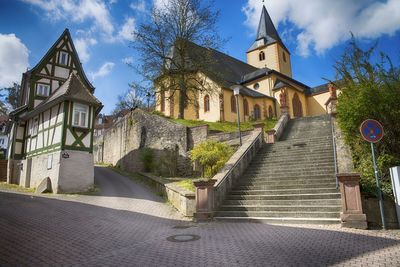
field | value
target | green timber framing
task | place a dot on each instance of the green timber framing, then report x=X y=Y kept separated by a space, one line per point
x=63 y=44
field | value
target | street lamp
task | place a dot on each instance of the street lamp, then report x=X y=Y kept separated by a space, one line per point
x=236 y=92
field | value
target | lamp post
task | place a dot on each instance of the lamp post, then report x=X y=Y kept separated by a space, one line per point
x=236 y=92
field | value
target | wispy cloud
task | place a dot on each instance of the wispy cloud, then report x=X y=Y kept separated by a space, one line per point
x=13 y=59
x=127 y=29
x=104 y=70
x=323 y=24
x=82 y=46
x=127 y=60
x=139 y=6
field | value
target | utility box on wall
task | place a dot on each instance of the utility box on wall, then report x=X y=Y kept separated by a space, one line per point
x=395 y=175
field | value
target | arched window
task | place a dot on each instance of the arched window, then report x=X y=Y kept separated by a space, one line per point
x=206 y=103
x=270 y=112
x=257 y=112
x=297 y=106
x=162 y=101
x=245 y=107
x=233 y=104
x=261 y=56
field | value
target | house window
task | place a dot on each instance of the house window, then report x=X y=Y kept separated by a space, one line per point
x=233 y=104
x=206 y=103
x=246 y=107
x=63 y=58
x=261 y=56
x=80 y=118
x=162 y=101
x=43 y=89
x=35 y=126
x=284 y=56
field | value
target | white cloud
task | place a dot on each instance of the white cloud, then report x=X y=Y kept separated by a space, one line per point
x=13 y=59
x=78 y=12
x=127 y=60
x=104 y=70
x=139 y=6
x=326 y=23
x=82 y=46
x=127 y=29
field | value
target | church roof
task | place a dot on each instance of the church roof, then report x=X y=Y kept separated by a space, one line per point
x=73 y=89
x=266 y=32
x=279 y=84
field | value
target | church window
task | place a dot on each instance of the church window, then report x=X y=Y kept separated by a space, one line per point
x=43 y=89
x=261 y=56
x=80 y=115
x=162 y=101
x=233 y=104
x=245 y=107
x=256 y=86
x=63 y=58
x=284 y=56
x=257 y=112
x=206 y=103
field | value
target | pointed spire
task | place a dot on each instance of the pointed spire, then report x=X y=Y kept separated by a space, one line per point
x=266 y=32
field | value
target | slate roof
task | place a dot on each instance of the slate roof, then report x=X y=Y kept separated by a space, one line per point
x=279 y=84
x=266 y=32
x=73 y=89
x=317 y=89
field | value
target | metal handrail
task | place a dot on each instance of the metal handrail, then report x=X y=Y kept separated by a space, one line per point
x=334 y=151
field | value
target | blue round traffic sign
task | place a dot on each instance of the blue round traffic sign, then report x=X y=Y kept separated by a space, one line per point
x=371 y=130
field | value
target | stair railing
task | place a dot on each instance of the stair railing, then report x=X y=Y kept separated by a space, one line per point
x=334 y=150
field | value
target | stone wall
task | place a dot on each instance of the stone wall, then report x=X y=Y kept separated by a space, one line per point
x=124 y=143
x=371 y=209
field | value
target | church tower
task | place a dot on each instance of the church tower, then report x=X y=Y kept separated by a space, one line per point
x=268 y=50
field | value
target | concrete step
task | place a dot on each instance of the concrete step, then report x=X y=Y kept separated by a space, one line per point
x=301 y=202
x=284 y=197
x=282 y=173
x=271 y=220
x=281 y=166
x=274 y=214
x=284 y=185
x=302 y=160
x=291 y=182
x=285 y=178
x=281 y=208
x=284 y=191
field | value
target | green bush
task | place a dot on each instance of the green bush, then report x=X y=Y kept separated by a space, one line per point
x=369 y=91
x=212 y=156
x=147 y=157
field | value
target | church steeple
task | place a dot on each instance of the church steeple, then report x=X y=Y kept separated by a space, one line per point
x=268 y=50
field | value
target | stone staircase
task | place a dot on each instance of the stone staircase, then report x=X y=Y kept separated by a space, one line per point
x=291 y=181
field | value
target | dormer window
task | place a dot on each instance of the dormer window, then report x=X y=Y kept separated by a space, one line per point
x=261 y=56
x=63 y=58
x=43 y=89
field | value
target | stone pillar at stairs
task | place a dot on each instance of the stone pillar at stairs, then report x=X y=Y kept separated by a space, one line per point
x=352 y=215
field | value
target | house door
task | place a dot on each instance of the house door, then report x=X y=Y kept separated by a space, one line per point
x=257 y=112
x=297 y=107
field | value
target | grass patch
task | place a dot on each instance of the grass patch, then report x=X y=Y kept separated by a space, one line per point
x=227 y=127
x=186 y=184
x=95 y=190
x=16 y=188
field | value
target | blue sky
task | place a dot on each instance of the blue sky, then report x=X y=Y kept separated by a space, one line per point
x=315 y=32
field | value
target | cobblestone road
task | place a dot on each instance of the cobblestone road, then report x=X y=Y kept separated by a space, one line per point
x=130 y=226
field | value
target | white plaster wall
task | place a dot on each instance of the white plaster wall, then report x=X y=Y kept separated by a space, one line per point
x=76 y=172
x=61 y=72
x=39 y=170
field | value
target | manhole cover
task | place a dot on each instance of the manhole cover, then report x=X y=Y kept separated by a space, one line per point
x=183 y=238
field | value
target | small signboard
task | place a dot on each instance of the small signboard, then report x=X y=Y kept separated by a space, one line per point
x=371 y=130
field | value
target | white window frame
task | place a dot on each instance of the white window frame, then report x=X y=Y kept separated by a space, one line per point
x=35 y=126
x=43 y=89
x=66 y=58
x=75 y=110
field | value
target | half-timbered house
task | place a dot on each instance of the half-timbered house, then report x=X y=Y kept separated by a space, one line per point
x=52 y=131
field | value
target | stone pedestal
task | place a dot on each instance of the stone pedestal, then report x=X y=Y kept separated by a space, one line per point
x=204 y=199
x=271 y=137
x=352 y=215
x=284 y=110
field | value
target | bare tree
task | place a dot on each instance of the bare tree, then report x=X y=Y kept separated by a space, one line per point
x=171 y=49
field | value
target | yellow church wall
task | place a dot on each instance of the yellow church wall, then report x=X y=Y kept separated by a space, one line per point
x=285 y=67
x=316 y=104
x=290 y=93
x=214 y=113
x=266 y=85
x=271 y=57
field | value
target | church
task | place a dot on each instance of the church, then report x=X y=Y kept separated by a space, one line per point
x=267 y=88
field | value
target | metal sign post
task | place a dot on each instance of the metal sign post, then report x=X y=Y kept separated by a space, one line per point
x=372 y=132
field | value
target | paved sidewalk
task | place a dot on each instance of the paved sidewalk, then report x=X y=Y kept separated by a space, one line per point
x=133 y=231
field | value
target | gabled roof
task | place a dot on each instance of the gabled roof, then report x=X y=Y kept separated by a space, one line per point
x=73 y=89
x=252 y=93
x=78 y=64
x=266 y=32
x=279 y=84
